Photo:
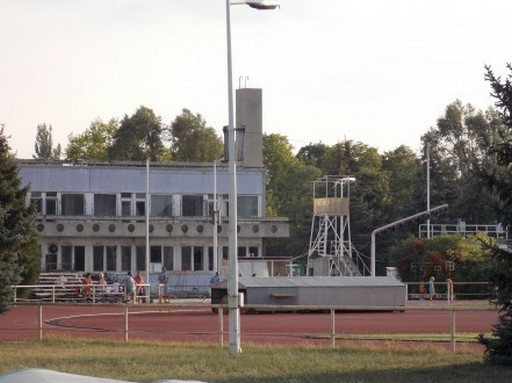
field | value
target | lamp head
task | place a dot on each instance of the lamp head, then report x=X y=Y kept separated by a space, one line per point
x=263 y=4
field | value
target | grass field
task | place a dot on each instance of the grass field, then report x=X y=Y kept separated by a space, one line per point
x=386 y=362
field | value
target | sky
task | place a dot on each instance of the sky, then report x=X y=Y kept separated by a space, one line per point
x=371 y=71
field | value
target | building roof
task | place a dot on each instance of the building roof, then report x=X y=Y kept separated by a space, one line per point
x=250 y=282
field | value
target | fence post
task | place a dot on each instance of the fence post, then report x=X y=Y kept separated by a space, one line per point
x=40 y=314
x=452 y=330
x=221 y=326
x=126 y=323
x=333 y=328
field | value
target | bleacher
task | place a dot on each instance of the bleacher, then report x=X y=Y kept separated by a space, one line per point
x=57 y=287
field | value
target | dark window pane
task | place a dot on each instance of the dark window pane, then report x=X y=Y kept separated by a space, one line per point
x=105 y=204
x=186 y=258
x=198 y=258
x=192 y=206
x=247 y=206
x=51 y=206
x=79 y=258
x=168 y=258
x=161 y=205
x=97 y=258
x=140 y=207
x=111 y=258
x=253 y=251
x=126 y=258
x=67 y=258
x=72 y=204
x=156 y=254
x=140 y=258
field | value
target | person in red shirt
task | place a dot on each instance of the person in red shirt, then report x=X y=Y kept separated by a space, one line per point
x=87 y=282
x=139 y=280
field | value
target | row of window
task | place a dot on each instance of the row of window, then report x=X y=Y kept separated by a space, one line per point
x=126 y=258
x=134 y=204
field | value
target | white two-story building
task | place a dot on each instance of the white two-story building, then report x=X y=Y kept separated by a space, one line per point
x=104 y=217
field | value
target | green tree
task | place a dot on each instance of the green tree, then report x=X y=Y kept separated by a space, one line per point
x=313 y=154
x=44 y=144
x=403 y=169
x=192 y=140
x=94 y=143
x=19 y=254
x=288 y=185
x=499 y=178
x=419 y=258
x=458 y=152
x=138 y=138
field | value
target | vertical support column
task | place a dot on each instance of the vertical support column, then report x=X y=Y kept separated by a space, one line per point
x=40 y=320
x=221 y=326
x=333 y=328
x=126 y=323
x=452 y=330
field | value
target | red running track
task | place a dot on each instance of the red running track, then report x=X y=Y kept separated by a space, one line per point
x=198 y=324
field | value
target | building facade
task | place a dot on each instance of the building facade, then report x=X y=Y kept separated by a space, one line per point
x=119 y=217
x=100 y=217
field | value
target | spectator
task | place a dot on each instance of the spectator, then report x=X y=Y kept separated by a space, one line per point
x=162 y=285
x=130 y=288
x=216 y=278
x=431 y=288
x=139 y=281
x=87 y=286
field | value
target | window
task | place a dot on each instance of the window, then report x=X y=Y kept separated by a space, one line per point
x=126 y=258
x=36 y=200
x=140 y=204
x=97 y=258
x=254 y=251
x=126 y=204
x=198 y=258
x=105 y=205
x=225 y=252
x=242 y=252
x=186 y=258
x=156 y=254
x=79 y=258
x=111 y=258
x=247 y=206
x=168 y=258
x=67 y=258
x=192 y=206
x=211 y=266
x=140 y=258
x=161 y=205
x=72 y=204
x=51 y=203
x=51 y=261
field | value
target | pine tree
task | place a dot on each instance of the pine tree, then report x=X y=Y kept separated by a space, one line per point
x=499 y=345
x=19 y=255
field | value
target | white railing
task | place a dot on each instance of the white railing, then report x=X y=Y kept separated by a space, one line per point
x=75 y=293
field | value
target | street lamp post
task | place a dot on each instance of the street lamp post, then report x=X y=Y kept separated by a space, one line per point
x=234 y=310
x=233 y=296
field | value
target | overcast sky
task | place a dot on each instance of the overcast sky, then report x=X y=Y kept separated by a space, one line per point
x=379 y=72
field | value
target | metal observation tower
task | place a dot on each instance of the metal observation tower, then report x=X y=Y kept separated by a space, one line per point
x=330 y=246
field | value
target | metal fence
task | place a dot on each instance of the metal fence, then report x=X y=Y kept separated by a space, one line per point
x=118 y=320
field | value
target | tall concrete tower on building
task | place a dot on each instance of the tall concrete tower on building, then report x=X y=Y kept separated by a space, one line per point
x=249 y=115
